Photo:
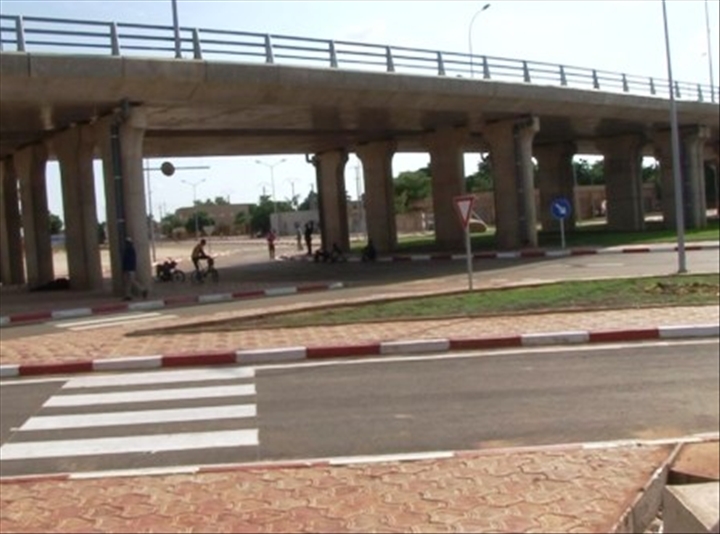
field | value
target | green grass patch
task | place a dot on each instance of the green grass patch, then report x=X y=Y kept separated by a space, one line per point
x=683 y=290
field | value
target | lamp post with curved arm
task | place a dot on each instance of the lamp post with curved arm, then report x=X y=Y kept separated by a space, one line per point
x=483 y=8
x=272 y=166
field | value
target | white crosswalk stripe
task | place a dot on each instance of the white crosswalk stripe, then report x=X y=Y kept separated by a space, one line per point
x=125 y=319
x=133 y=418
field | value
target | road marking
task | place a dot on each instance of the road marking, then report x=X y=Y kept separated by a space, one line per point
x=160 y=377
x=212 y=413
x=118 y=320
x=151 y=395
x=129 y=444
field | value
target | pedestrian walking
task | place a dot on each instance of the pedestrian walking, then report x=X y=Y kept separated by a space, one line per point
x=271 y=236
x=308 y=236
x=129 y=267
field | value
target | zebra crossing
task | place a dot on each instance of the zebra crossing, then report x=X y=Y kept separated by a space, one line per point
x=139 y=420
x=125 y=319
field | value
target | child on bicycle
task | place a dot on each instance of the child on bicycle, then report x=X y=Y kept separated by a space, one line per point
x=198 y=253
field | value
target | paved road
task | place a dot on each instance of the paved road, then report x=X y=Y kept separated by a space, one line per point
x=394 y=278
x=448 y=402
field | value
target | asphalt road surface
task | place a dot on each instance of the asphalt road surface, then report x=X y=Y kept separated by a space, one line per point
x=358 y=407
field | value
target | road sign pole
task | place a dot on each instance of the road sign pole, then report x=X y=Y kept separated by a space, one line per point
x=468 y=255
x=562 y=233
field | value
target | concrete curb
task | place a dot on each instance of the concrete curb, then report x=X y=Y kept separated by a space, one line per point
x=386 y=348
x=518 y=254
x=107 y=309
x=340 y=461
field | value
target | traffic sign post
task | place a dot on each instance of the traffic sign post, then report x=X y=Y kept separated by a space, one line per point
x=463 y=206
x=561 y=210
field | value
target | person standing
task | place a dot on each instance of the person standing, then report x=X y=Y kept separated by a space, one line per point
x=271 y=236
x=308 y=236
x=299 y=235
x=129 y=268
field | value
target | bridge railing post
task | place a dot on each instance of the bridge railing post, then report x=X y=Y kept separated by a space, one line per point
x=197 y=49
x=333 y=55
x=652 y=87
x=269 y=56
x=389 y=59
x=596 y=82
x=486 y=68
x=700 y=95
x=526 y=72
x=114 y=40
x=20 y=32
x=563 y=78
x=625 y=83
x=677 y=90
x=441 y=64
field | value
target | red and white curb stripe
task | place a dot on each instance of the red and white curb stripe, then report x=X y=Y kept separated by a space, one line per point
x=386 y=348
x=340 y=461
x=517 y=254
x=105 y=309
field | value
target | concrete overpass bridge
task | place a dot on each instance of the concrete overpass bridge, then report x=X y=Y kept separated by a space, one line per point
x=79 y=90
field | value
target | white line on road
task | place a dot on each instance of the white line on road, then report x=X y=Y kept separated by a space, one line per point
x=151 y=395
x=114 y=318
x=128 y=444
x=160 y=377
x=212 y=413
x=119 y=322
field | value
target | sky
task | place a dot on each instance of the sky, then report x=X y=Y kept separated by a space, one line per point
x=614 y=35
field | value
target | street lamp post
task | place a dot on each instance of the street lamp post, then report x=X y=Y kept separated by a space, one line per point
x=272 y=166
x=176 y=28
x=675 y=139
x=710 y=66
x=483 y=8
x=194 y=188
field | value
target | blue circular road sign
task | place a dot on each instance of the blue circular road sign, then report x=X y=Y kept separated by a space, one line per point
x=561 y=208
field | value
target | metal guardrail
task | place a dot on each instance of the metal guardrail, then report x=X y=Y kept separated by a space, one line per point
x=51 y=35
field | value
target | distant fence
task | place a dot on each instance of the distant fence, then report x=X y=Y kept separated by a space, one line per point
x=40 y=34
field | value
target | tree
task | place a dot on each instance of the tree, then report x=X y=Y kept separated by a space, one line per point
x=482 y=180
x=56 y=224
x=169 y=223
x=310 y=202
x=260 y=215
x=589 y=174
x=410 y=187
x=203 y=219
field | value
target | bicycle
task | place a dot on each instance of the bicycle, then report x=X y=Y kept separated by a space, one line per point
x=168 y=271
x=209 y=271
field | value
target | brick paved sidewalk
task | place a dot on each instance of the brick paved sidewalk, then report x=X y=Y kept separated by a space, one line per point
x=116 y=342
x=545 y=490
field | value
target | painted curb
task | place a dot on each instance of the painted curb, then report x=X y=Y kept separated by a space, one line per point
x=108 y=309
x=386 y=348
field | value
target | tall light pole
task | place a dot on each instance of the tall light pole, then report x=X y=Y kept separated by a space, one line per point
x=675 y=138
x=483 y=8
x=194 y=188
x=176 y=29
x=272 y=166
x=707 y=27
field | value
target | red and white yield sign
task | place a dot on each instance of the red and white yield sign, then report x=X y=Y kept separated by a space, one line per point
x=464 y=207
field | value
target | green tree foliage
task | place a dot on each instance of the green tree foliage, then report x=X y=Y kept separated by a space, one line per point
x=219 y=201
x=482 y=180
x=589 y=174
x=169 y=223
x=56 y=224
x=203 y=219
x=411 y=186
x=310 y=202
x=260 y=215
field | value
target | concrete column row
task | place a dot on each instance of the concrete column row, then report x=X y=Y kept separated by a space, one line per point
x=75 y=150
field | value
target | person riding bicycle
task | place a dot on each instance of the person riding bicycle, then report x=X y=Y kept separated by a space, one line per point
x=198 y=253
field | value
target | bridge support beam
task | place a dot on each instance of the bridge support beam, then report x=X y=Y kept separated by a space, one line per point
x=513 y=173
x=623 y=181
x=447 y=169
x=30 y=165
x=376 y=160
x=131 y=135
x=692 y=152
x=11 y=255
x=74 y=149
x=555 y=179
x=332 y=199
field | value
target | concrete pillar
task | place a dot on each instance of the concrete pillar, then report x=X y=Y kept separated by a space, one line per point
x=74 y=149
x=447 y=168
x=623 y=181
x=11 y=254
x=692 y=169
x=131 y=135
x=555 y=179
x=330 y=172
x=379 y=206
x=513 y=173
x=30 y=165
